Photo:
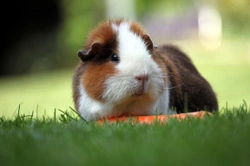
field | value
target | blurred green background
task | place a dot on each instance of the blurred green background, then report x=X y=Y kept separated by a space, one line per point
x=41 y=39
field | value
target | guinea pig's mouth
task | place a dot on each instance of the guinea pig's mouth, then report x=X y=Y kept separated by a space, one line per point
x=138 y=94
x=141 y=89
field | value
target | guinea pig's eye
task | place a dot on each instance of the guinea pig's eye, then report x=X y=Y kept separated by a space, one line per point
x=114 y=58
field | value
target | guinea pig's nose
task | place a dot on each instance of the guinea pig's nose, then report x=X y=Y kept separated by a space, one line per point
x=142 y=82
x=142 y=78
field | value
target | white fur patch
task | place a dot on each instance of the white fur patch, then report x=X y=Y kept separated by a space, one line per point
x=135 y=60
x=91 y=109
x=88 y=108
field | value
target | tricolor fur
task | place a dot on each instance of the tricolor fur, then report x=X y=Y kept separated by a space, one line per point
x=121 y=73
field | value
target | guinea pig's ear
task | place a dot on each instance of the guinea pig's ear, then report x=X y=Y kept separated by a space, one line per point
x=90 y=54
x=148 y=42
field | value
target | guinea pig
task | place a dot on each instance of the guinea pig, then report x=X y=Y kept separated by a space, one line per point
x=122 y=73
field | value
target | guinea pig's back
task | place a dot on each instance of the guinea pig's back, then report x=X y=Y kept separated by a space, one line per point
x=191 y=90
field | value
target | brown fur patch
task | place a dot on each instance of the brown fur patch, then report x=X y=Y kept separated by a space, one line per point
x=76 y=81
x=162 y=65
x=137 y=29
x=94 y=78
x=92 y=74
x=170 y=72
x=101 y=34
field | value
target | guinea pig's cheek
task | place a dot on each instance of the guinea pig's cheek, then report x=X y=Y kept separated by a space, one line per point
x=94 y=79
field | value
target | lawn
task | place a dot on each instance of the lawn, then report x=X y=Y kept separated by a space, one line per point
x=215 y=140
x=38 y=127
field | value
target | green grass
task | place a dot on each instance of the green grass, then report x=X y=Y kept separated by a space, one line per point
x=65 y=139
x=41 y=93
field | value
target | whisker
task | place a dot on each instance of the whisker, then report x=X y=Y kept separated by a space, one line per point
x=176 y=86
x=160 y=76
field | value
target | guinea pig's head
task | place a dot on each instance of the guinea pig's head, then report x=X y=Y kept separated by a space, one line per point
x=120 y=64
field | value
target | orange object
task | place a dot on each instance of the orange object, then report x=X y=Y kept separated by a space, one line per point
x=152 y=119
